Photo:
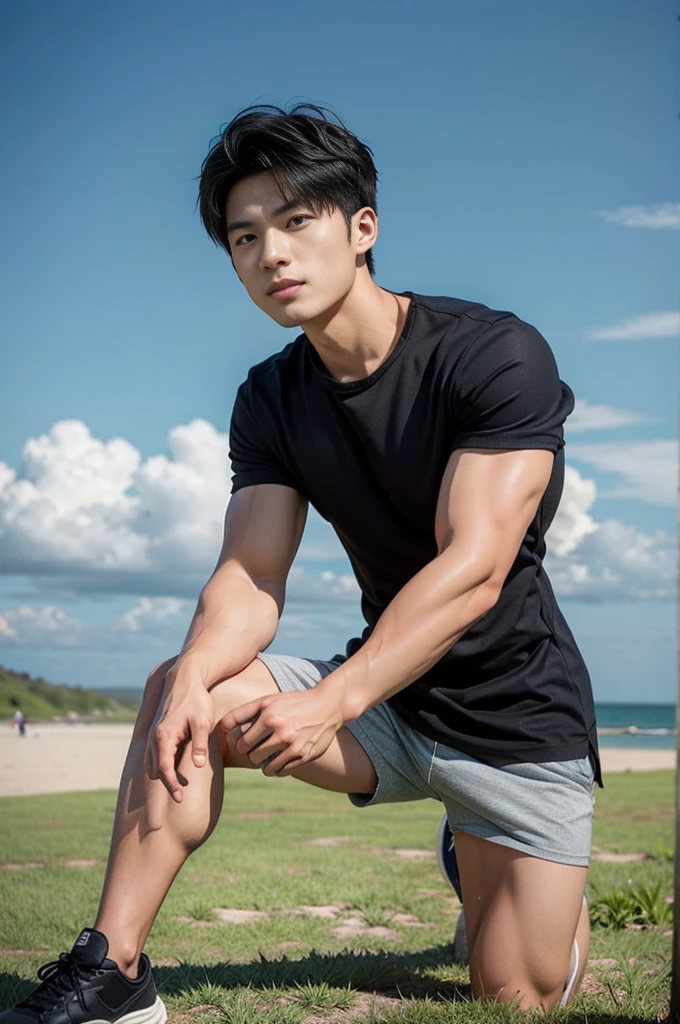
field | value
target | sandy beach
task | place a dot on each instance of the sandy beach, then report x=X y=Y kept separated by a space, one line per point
x=60 y=758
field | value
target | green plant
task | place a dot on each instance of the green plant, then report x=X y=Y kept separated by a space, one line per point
x=651 y=907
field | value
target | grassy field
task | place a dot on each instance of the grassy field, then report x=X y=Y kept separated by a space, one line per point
x=377 y=948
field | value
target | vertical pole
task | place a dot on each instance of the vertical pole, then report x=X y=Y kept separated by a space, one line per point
x=675 y=962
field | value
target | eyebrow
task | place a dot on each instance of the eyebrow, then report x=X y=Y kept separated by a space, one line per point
x=236 y=225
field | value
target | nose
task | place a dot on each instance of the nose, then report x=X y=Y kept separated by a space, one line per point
x=274 y=251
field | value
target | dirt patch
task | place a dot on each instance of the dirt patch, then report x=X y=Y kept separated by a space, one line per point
x=407 y=854
x=289 y=944
x=366 y=1005
x=328 y=912
x=330 y=840
x=240 y=916
x=408 y=920
x=24 y=952
x=22 y=867
x=353 y=927
x=81 y=863
x=618 y=858
x=621 y=858
x=591 y=986
x=251 y=815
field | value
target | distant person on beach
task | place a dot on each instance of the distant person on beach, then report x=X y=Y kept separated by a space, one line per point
x=428 y=431
x=20 y=722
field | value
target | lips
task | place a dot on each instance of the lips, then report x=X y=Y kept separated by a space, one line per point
x=285 y=289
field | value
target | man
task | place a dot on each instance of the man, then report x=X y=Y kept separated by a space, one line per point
x=429 y=433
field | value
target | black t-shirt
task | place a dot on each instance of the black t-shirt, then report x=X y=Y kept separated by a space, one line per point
x=370 y=454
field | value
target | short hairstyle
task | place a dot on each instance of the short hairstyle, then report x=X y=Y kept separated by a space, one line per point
x=314 y=158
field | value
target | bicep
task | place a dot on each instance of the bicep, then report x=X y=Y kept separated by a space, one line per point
x=263 y=528
x=487 y=501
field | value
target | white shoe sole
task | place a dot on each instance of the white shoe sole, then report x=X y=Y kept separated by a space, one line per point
x=156 y=1014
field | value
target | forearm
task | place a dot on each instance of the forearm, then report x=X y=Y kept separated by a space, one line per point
x=235 y=619
x=423 y=621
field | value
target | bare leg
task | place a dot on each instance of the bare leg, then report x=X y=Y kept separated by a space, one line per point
x=153 y=835
x=522 y=915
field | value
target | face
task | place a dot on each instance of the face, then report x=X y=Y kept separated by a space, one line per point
x=272 y=242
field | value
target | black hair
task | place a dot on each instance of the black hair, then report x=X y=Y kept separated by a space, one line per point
x=314 y=158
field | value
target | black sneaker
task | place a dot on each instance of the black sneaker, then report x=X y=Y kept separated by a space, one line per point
x=83 y=986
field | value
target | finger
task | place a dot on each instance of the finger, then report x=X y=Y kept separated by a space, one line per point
x=297 y=757
x=258 y=734
x=200 y=731
x=288 y=760
x=167 y=752
x=242 y=714
x=266 y=750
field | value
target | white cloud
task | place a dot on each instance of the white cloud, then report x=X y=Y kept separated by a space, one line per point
x=616 y=562
x=605 y=561
x=152 y=619
x=655 y=216
x=7 y=631
x=329 y=587
x=645 y=327
x=572 y=521
x=92 y=517
x=312 y=603
x=648 y=469
x=589 y=416
x=150 y=613
x=92 y=514
x=39 y=627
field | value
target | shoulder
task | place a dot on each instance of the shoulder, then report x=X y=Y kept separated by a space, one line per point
x=476 y=327
x=266 y=378
x=474 y=315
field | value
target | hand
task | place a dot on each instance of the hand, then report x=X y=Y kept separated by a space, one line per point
x=298 y=727
x=185 y=714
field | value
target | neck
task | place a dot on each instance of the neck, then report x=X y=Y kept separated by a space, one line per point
x=357 y=334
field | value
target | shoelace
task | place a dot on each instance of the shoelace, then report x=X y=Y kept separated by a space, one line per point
x=58 y=977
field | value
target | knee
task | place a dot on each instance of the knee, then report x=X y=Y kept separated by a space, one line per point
x=153 y=691
x=254 y=681
x=529 y=986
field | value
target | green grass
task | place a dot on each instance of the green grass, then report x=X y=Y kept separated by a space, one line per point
x=290 y=968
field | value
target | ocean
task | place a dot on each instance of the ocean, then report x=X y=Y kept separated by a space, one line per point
x=636 y=725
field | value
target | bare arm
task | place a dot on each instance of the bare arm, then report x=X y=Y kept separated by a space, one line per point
x=239 y=608
x=236 y=618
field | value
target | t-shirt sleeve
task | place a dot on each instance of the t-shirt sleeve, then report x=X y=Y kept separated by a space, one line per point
x=506 y=391
x=253 y=459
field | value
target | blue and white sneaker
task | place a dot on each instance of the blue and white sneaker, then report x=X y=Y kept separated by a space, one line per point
x=446 y=855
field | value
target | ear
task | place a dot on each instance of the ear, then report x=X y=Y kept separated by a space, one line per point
x=365 y=229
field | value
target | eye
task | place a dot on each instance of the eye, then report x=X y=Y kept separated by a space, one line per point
x=298 y=216
x=243 y=238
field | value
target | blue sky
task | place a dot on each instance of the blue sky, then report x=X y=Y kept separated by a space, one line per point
x=528 y=159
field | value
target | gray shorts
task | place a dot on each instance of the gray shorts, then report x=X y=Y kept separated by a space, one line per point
x=544 y=809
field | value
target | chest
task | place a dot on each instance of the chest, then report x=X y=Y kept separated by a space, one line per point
x=384 y=450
